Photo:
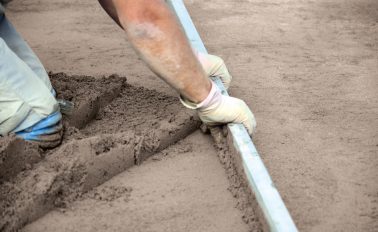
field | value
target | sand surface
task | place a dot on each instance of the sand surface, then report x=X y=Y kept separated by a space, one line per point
x=308 y=69
x=99 y=141
x=114 y=126
x=184 y=188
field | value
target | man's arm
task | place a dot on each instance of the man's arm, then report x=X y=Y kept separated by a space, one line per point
x=157 y=36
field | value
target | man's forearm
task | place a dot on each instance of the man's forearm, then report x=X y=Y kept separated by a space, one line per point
x=156 y=35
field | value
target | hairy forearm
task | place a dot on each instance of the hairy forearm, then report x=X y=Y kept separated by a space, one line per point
x=156 y=35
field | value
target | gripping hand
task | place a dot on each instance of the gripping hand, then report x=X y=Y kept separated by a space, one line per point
x=214 y=67
x=219 y=109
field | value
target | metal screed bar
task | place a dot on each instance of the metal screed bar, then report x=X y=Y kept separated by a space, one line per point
x=269 y=200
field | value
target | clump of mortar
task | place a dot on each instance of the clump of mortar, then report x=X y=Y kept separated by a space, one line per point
x=89 y=155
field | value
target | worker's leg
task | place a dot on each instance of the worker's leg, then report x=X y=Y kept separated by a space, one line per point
x=18 y=45
x=25 y=99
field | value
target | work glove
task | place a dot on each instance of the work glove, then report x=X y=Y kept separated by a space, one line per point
x=47 y=133
x=214 y=67
x=219 y=109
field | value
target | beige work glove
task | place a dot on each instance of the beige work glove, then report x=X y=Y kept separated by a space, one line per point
x=214 y=67
x=219 y=109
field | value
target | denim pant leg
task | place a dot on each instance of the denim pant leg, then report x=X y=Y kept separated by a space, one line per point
x=18 y=45
x=25 y=99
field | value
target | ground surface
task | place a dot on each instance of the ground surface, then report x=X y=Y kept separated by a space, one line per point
x=307 y=68
x=184 y=188
x=186 y=191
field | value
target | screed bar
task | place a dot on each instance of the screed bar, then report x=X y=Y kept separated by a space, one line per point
x=269 y=200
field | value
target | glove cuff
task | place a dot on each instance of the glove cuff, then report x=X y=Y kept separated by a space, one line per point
x=213 y=97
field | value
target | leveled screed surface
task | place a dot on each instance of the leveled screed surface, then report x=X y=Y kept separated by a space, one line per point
x=308 y=69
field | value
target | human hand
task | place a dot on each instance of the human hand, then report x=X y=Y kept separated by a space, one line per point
x=219 y=109
x=214 y=67
x=47 y=133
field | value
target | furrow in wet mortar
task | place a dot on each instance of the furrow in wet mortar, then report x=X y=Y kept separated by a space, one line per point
x=119 y=136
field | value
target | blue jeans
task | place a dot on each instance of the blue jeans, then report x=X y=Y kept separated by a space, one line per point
x=25 y=89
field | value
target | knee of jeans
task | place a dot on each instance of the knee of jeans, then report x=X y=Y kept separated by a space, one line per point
x=51 y=108
x=45 y=106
